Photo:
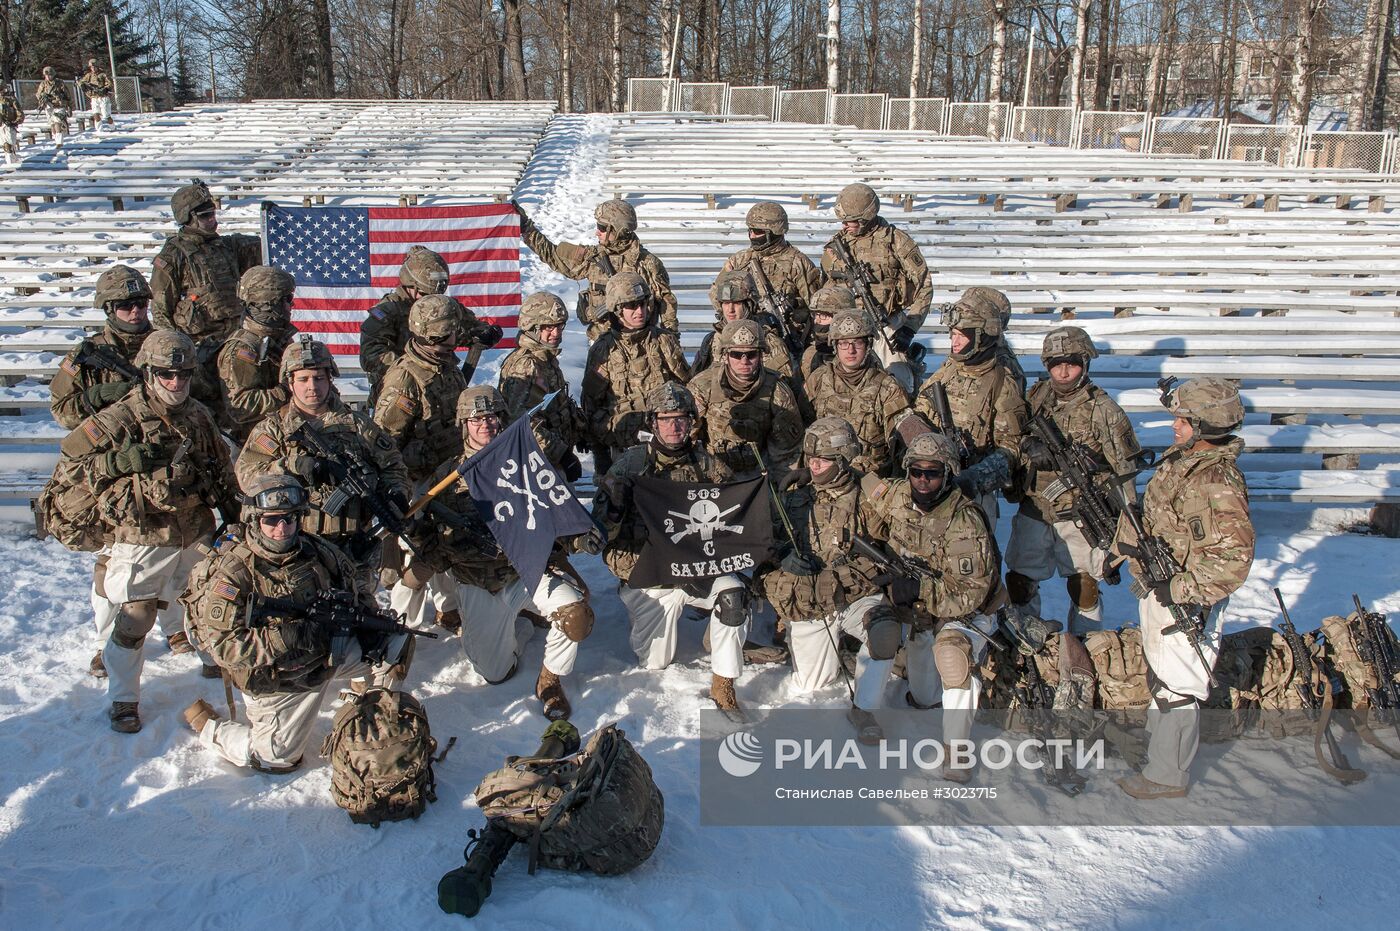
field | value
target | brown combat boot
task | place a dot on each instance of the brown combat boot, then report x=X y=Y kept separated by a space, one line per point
x=550 y=691
x=179 y=643
x=97 y=669
x=1140 y=787
x=722 y=694
x=450 y=620
x=125 y=718
x=198 y=714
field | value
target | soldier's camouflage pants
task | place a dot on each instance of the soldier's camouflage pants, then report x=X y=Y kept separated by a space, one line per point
x=1038 y=550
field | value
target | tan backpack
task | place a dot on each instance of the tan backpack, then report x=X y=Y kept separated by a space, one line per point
x=67 y=510
x=597 y=810
x=381 y=754
x=1120 y=669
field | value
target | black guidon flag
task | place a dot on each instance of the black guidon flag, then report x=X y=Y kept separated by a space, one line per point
x=698 y=531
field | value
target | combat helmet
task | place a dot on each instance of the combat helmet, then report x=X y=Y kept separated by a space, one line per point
x=273 y=493
x=478 y=401
x=978 y=315
x=116 y=285
x=542 y=309
x=769 y=217
x=434 y=318
x=303 y=353
x=740 y=334
x=833 y=299
x=1211 y=405
x=933 y=447
x=616 y=215
x=626 y=288
x=189 y=199
x=424 y=270
x=831 y=438
x=851 y=324
x=732 y=286
x=670 y=398
x=266 y=292
x=857 y=202
x=166 y=349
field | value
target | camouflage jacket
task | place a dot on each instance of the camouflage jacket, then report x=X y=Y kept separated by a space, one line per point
x=613 y=506
x=1198 y=503
x=622 y=366
x=194 y=282
x=261 y=658
x=901 y=276
x=1088 y=417
x=170 y=505
x=953 y=539
x=275 y=446
x=985 y=401
x=384 y=333
x=731 y=418
x=67 y=392
x=50 y=94
x=869 y=400
x=788 y=271
x=97 y=84
x=825 y=519
x=529 y=373
x=777 y=358
x=584 y=262
x=417 y=408
x=248 y=377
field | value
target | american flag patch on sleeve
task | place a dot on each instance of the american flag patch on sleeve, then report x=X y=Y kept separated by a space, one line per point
x=265 y=443
x=406 y=405
x=92 y=431
x=247 y=355
x=68 y=366
x=226 y=590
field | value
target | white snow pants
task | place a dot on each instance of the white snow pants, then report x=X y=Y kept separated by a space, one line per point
x=816 y=663
x=171 y=620
x=140 y=573
x=656 y=612
x=926 y=686
x=1039 y=549
x=494 y=634
x=1174 y=733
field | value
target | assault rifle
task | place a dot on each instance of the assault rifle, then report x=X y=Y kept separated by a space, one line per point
x=1038 y=698
x=937 y=394
x=1375 y=644
x=345 y=617
x=890 y=563
x=1318 y=702
x=465 y=889
x=104 y=357
x=354 y=479
x=1093 y=512
x=1155 y=557
x=862 y=284
x=777 y=308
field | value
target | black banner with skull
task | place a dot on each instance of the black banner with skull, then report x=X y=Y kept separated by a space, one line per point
x=699 y=531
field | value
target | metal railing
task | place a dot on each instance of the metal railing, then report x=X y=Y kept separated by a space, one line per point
x=1112 y=129
x=863 y=111
x=753 y=101
x=988 y=120
x=1050 y=125
x=1340 y=148
x=1186 y=137
x=929 y=114
x=704 y=98
x=1272 y=145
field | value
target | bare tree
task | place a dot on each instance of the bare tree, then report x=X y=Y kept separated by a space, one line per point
x=833 y=45
x=997 y=66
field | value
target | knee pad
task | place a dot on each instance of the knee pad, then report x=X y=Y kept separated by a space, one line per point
x=416 y=575
x=99 y=576
x=1019 y=588
x=952 y=656
x=1083 y=591
x=881 y=633
x=574 y=620
x=134 y=621
x=732 y=607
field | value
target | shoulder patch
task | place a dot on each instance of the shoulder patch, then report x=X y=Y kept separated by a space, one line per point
x=225 y=590
x=93 y=432
x=405 y=404
x=265 y=443
x=376 y=313
x=160 y=262
x=68 y=366
x=246 y=354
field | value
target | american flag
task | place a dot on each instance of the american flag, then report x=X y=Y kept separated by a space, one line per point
x=346 y=258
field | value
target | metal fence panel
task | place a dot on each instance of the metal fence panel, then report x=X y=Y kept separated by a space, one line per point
x=648 y=95
x=925 y=113
x=1112 y=129
x=1273 y=145
x=28 y=94
x=703 y=98
x=1189 y=137
x=863 y=111
x=1361 y=151
x=989 y=120
x=804 y=106
x=754 y=101
x=1050 y=125
x=128 y=96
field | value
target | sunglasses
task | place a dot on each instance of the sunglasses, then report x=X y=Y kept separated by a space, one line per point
x=139 y=303
x=604 y=229
x=276 y=520
x=173 y=374
x=632 y=305
x=204 y=214
x=744 y=355
x=927 y=474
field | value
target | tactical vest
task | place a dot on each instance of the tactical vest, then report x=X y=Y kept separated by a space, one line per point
x=730 y=423
x=1083 y=418
x=860 y=405
x=827 y=520
x=1120 y=669
x=632 y=368
x=972 y=397
x=209 y=305
x=246 y=348
x=436 y=389
x=72 y=380
x=876 y=249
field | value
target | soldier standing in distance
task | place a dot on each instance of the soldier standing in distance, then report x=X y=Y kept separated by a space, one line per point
x=618 y=248
x=97 y=86
x=55 y=102
x=11 y=115
x=1197 y=503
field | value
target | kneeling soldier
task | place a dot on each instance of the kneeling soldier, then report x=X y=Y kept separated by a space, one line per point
x=281 y=662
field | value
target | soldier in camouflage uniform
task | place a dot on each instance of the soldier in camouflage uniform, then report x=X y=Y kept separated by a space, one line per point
x=97 y=87
x=741 y=402
x=195 y=282
x=455 y=541
x=902 y=286
x=989 y=411
x=384 y=332
x=655 y=613
x=826 y=304
x=248 y=362
x=532 y=371
x=789 y=272
x=1044 y=538
x=925 y=517
x=157 y=465
x=1197 y=504
x=278 y=444
x=11 y=116
x=733 y=298
x=282 y=664
x=82 y=388
x=418 y=397
x=624 y=364
x=855 y=388
x=51 y=95
x=618 y=249
x=821 y=590
x=1002 y=303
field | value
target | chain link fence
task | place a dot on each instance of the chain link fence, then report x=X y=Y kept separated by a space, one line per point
x=988 y=120
x=863 y=111
x=704 y=98
x=27 y=93
x=804 y=107
x=1357 y=150
x=1187 y=137
x=925 y=113
x=1050 y=125
x=1272 y=145
x=650 y=95
x=754 y=101
x=1111 y=129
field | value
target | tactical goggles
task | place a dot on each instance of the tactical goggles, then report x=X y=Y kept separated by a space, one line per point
x=284 y=499
x=632 y=305
x=135 y=303
x=204 y=213
x=604 y=228
x=173 y=374
x=437 y=282
x=744 y=355
x=928 y=474
x=483 y=416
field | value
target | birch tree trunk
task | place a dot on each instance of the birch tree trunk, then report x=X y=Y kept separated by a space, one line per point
x=1076 y=62
x=833 y=46
x=916 y=58
x=997 y=65
x=566 y=58
x=616 y=88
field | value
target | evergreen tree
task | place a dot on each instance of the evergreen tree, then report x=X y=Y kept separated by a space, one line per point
x=66 y=33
